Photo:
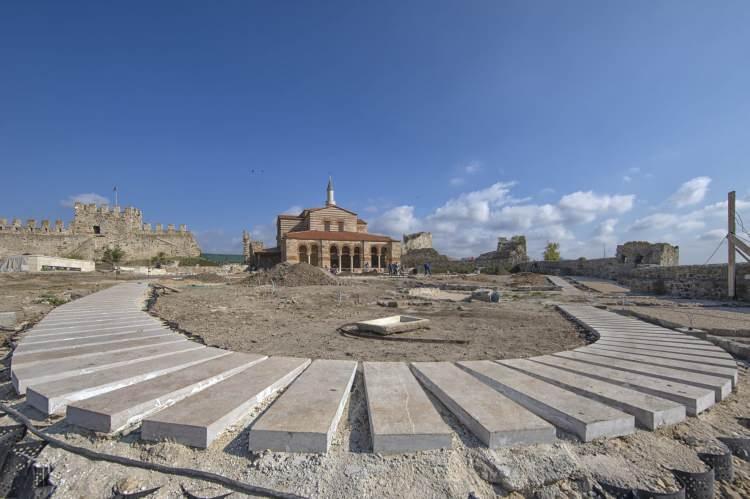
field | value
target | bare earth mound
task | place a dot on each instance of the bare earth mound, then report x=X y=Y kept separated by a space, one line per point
x=303 y=321
x=292 y=275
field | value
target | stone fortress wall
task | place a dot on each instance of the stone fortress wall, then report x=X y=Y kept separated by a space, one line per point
x=509 y=253
x=416 y=241
x=94 y=229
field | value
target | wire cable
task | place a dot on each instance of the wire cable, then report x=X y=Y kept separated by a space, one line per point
x=126 y=461
x=717 y=249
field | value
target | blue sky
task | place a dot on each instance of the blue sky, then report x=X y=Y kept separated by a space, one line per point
x=586 y=122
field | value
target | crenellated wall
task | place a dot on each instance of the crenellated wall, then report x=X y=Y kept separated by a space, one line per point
x=93 y=230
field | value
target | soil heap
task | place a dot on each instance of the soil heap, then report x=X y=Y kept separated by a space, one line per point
x=292 y=274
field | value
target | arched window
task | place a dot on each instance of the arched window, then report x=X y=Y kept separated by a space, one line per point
x=303 y=257
x=346 y=258
x=314 y=255
x=335 y=258
x=357 y=258
x=374 y=257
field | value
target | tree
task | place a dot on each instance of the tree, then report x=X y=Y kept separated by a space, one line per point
x=552 y=252
x=159 y=260
x=113 y=255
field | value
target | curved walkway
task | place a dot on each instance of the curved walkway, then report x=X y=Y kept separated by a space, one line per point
x=107 y=365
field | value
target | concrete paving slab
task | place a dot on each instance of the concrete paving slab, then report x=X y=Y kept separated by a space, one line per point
x=80 y=352
x=649 y=411
x=80 y=336
x=724 y=372
x=304 y=418
x=103 y=340
x=116 y=410
x=673 y=349
x=200 y=418
x=23 y=376
x=586 y=418
x=45 y=324
x=86 y=324
x=660 y=339
x=695 y=399
x=54 y=396
x=491 y=416
x=402 y=418
x=34 y=333
x=700 y=347
x=721 y=386
x=698 y=359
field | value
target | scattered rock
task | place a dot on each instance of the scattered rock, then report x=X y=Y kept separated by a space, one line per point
x=388 y=303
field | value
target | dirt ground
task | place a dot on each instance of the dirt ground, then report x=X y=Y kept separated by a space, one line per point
x=303 y=321
x=567 y=468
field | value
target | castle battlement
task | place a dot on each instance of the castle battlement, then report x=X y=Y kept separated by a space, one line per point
x=104 y=224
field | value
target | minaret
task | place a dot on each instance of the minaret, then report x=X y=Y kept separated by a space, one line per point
x=329 y=191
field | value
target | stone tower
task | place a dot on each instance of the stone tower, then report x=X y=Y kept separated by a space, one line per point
x=329 y=191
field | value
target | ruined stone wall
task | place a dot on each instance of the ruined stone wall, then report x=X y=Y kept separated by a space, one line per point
x=93 y=230
x=509 y=253
x=686 y=281
x=643 y=252
x=417 y=241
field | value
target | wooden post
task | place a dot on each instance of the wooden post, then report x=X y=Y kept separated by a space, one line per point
x=731 y=272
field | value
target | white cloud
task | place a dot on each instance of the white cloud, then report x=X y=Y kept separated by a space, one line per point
x=691 y=192
x=654 y=222
x=87 y=198
x=455 y=181
x=474 y=206
x=586 y=206
x=396 y=221
x=605 y=231
x=627 y=178
x=293 y=210
x=472 y=167
x=713 y=235
x=470 y=223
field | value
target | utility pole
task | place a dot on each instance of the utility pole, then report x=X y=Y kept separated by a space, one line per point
x=730 y=243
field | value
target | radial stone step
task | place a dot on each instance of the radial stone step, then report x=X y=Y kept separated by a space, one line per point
x=102 y=340
x=30 y=358
x=25 y=375
x=121 y=408
x=199 y=419
x=573 y=413
x=694 y=398
x=495 y=419
x=402 y=418
x=696 y=359
x=650 y=347
x=60 y=327
x=721 y=386
x=61 y=339
x=304 y=418
x=649 y=411
x=729 y=373
x=54 y=396
x=51 y=333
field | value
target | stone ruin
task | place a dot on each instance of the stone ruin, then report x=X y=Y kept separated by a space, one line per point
x=509 y=253
x=94 y=229
x=645 y=253
x=417 y=241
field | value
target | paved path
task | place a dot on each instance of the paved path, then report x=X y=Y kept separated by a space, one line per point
x=109 y=366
